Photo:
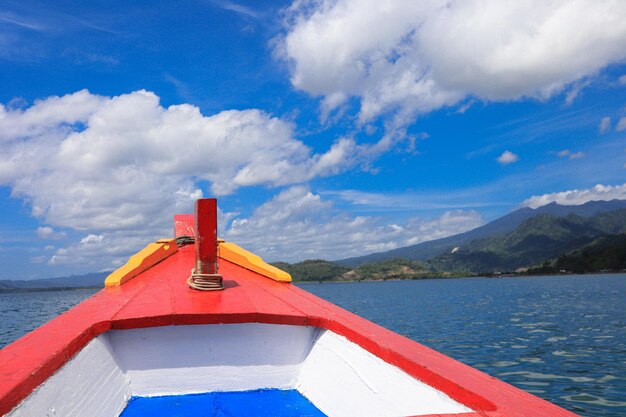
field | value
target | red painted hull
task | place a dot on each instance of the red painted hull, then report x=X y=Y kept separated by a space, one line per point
x=160 y=297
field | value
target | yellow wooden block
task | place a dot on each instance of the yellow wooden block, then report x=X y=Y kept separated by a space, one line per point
x=142 y=260
x=248 y=260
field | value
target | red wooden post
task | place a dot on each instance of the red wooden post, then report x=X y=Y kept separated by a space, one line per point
x=206 y=236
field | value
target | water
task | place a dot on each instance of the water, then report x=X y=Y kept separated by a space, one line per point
x=25 y=311
x=561 y=338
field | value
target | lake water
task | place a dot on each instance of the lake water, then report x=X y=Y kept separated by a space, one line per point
x=561 y=338
x=25 y=311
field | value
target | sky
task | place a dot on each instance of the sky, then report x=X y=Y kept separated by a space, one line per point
x=326 y=129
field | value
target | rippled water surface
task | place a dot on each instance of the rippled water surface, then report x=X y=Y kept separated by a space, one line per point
x=25 y=311
x=561 y=338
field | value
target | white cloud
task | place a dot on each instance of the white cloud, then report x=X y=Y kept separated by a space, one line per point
x=91 y=238
x=8 y=17
x=298 y=224
x=576 y=197
x=294 y=225
x=237 y=8
x=621 y=124
x=412 y=201
x=414 y=57
x=111 y=166
x=102 y=251
x=96 y=163
x=47 y=232
x=507 y=157
x=575 y=90
x=605 y=125
x=38 y=259
x=53 y=115
x=566 y=153
x=622 y=79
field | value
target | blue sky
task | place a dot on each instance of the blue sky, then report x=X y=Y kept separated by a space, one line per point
x=326 y=129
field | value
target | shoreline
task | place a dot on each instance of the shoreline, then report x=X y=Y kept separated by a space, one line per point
x=26 y=290
x=504 y=276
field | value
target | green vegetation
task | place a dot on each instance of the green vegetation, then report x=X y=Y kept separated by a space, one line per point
x=393 y=269
x=605 y=254
x=535 y=240
x=313 y=270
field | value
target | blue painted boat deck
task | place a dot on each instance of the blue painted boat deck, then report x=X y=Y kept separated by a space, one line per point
x=259 y=403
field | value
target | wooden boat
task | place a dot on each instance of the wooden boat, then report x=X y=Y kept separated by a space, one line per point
x=149 y=344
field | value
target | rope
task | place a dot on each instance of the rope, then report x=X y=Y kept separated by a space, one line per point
x=202 y=282
x=205 y=282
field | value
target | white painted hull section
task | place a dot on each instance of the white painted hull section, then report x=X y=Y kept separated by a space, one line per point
x=338 y=376
x=91 y=384
x=221 y=357
x=343 y=379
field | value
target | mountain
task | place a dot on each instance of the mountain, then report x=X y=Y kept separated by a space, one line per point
x=537 y=239
x=607 y=253
x=94 y=279
x=505 y=224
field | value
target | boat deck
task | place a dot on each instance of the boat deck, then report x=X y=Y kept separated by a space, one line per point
x=160 y=297
x=267 y=403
